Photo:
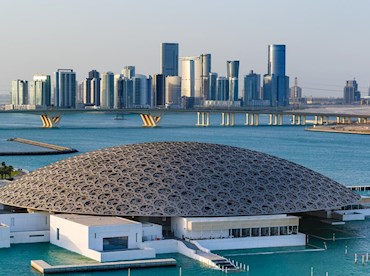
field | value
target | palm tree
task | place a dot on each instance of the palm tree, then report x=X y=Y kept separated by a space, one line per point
x=3 y=169
x=9 y=170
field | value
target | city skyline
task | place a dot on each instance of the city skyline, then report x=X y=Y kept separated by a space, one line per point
x=314 y=34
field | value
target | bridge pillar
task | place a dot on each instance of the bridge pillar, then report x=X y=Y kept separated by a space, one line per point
x=293 y=120
x=247 y=119
x=150 y=120
x=316 y=120
x=299 y=120
x=304 y=119
x=228 y=119
x=203 y=118
x=281 y=119
x=50 y=120
x=275 y=119
x=365 y=120
x=257 y=119
x=338 y=120
x=270 y=122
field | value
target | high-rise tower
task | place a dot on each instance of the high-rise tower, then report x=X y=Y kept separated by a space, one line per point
x=275 y=82
x=233 y=79
x=169 y=59
x=65 y=88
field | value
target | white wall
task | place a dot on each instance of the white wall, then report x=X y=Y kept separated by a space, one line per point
x=178 y=227
x=152 y=231
x=29 y=236
x=132 y=230
x=4 y=236
x=26 y=221
x=72 y=236
x=253 y=242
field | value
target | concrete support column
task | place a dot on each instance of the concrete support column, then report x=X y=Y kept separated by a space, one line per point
x=316 y=120
x=299 y=120
x=270 y=122
x=338 y=120
x=293 y=120
x=275 y=119
x=281 y=119
x=257 y=119
x=304 y=120
x=247 y=119
x=203 y=118
x=252 y=120
x=222 y=118
x=232 y=119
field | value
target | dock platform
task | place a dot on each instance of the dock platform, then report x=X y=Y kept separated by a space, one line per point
x=45 y=268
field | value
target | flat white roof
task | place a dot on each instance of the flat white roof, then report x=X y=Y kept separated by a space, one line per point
x=239 y=218
x=95 y=220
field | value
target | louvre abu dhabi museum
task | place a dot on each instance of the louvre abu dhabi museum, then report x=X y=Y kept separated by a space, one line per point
x=135 y=201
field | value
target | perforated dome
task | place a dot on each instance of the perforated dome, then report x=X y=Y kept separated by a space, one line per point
x=176 y=179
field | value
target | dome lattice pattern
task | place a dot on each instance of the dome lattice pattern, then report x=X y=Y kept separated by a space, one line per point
x=176 y=179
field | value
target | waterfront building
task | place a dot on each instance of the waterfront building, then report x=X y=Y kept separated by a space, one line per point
x=159 y=95
x=118 y=92
x=202 y=68
x=233 y=80
x=128 y=72
x=251 y=89
x=140 y=91
x=107 y=90
x=212 y=83
x=295 y=93
x=187 y=77
x=65 y=88
x=88 y=211
x=173 y=91
x=40 y=91
x=169 y=59
x=275 y=82
x=19 y=92
x=351 y=93
x=222 y=93
x=91 y=89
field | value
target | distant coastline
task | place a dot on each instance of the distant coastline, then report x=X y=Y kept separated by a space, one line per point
x=348 y=129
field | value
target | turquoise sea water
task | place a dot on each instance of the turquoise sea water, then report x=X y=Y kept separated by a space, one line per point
x=342 y=157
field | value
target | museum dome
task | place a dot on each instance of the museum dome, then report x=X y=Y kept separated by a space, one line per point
x=175 y=179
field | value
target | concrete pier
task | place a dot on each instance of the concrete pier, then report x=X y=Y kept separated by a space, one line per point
x=45 y=268
x=56 y=149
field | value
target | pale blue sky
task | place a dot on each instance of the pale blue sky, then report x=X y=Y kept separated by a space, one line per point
x=327 y=41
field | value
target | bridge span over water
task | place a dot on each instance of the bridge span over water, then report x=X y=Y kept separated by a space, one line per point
x=152 y=116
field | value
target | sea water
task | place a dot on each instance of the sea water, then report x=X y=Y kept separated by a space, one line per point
x=343 y=157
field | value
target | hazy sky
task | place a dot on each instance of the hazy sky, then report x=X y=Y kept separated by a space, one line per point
x=328 y=41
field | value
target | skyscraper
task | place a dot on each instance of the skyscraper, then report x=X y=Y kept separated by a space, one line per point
x=19 y=92
x=351 y=93
x=187 y=77
x=65 y=88
x=159 y=98
x=212 y=86
x=233 y=79
x=128 y=72
x=107 y=90
x=140 y=91
x=275 y=82
x=202 y=68
x=222 y=89
x=40 y=91
x=173 y=91
x=252 y=86
x=169 y=62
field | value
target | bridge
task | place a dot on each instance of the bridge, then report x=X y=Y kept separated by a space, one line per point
x=152 y=116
